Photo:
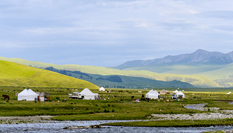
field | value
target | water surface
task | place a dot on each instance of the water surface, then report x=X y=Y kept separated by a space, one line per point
x=57 y=127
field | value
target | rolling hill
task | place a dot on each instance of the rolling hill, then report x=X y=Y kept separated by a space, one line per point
x=195 y=80
x=14 y=74
x=119 y=81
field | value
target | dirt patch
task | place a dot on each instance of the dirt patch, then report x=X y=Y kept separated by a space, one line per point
x=224 y=100
x=26 y=118
x=197 y=116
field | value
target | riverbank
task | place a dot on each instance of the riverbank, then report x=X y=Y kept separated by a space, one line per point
x=223 y=117
x=59 y=126
x=175 y=123
x=196 y=116
x=24 y=119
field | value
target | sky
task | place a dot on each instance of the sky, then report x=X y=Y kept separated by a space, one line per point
x=110 y=32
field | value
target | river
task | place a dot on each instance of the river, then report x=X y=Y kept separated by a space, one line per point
x=57 y=127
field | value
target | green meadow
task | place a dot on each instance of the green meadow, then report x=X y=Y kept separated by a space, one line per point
x=14 y=74
x=120 y=106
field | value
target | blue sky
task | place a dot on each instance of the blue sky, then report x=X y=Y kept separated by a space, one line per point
x=110 y=32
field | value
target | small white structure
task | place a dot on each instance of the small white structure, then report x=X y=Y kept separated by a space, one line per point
x=179 y=94
x=229 y=93
x=175 y=91
x=152 y=94
x=27 y=95
x=88 y=95
x=41 y=96
x=101 y=89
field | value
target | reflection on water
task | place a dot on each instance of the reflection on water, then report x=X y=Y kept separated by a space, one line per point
x=57 y=127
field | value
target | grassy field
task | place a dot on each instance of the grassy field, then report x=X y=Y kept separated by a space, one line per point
x=120 y=105
x=14 y=74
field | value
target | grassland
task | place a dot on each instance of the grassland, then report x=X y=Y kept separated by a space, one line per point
x=120 y=105
x=14 y=74
x=196 y=80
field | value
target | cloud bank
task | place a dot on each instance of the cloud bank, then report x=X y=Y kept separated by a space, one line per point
x=108 y=33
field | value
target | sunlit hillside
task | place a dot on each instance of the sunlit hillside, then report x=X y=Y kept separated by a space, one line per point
x=14 y=74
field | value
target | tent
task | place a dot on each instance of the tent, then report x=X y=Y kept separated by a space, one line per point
x=102 y=89
x=42 y=96
x=179 y=94
x=175 y=91
x=152 y=94
x=163 y=92
x=27 y=95
x=88 y=95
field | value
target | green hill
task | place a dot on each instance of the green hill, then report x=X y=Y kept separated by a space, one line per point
x=14 y=74
x=221 y=74
x=118 y=81
x=196 y=80
x=179 y=69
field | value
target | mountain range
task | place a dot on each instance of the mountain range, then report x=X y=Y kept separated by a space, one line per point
x=214 y=65
x=198 y=57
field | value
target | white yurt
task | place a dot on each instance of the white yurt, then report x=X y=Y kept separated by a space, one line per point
x=88 y=95
x=152 y=94
x=179 y=94
x=101 y=89
x=175 y=91
x=27 y=95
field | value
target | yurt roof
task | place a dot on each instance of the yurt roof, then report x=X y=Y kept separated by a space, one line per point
x=152 y=91
x=24 y=92
x=31 y=92
x=86 y=91
x=179 y=93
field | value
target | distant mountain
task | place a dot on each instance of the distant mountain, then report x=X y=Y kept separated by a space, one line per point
x=14 y=74
x=198 y=57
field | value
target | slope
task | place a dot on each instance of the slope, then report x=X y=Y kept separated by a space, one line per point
x=196 y=80
x=117 y=81
x=14 y=74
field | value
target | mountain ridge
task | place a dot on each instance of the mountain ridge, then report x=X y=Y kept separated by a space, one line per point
x=198 y=57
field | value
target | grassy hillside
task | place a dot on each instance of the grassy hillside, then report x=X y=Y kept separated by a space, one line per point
x=196 y=80
x=119 y=81
x=179 y=69
x=221 y=74
x=14 y=74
